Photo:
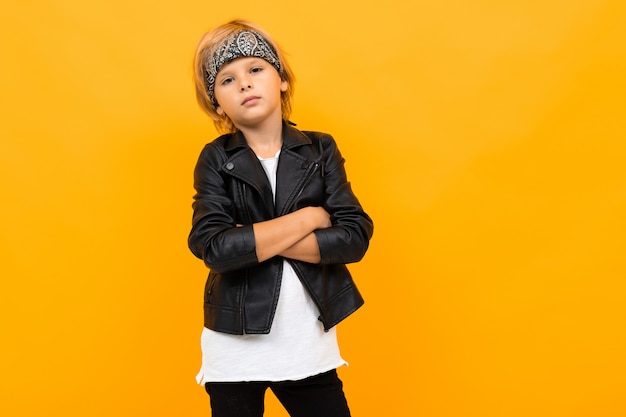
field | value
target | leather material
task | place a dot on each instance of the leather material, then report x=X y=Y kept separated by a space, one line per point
x=232 y=189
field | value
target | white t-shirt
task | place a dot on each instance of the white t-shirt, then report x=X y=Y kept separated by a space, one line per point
x=296 y=347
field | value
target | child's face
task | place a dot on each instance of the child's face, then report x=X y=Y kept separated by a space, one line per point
x=248 y=91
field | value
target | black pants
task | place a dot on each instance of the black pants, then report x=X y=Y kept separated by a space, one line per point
x=317 y=396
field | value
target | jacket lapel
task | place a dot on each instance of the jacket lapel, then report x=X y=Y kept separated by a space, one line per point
x=292 y=168
x=244 y=165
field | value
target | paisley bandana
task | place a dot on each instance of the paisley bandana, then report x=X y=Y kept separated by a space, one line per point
x=246 y=43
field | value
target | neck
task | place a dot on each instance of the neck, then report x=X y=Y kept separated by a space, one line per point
x=266 y=139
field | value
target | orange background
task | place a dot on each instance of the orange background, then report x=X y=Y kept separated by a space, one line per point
x=485 y=138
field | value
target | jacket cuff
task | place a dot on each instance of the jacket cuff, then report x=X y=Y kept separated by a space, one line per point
x=241 y=247
x=323 y=241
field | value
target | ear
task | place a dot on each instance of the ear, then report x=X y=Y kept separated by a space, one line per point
x=219 y=110
x=284 y=85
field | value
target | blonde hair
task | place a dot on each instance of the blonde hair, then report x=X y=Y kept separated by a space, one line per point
x=206 y=48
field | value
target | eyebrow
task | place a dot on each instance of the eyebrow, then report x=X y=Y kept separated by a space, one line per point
x=255 y=61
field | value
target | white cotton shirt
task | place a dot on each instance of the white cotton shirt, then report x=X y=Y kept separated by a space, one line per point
x=296 y=347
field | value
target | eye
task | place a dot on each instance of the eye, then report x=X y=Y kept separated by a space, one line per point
x=227 y=80
x=256 y=69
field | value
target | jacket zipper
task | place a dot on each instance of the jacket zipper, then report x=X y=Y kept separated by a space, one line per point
x=211 y=284
x=310 y=175
x=244 y=203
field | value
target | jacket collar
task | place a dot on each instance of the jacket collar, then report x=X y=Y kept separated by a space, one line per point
x=243 y=164
x=292 y=138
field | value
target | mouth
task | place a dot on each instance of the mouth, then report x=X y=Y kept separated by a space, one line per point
x=250 y=100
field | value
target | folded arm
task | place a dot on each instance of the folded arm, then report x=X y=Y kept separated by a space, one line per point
x=291 y=236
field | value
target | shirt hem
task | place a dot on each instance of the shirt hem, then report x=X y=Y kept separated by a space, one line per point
x=202 y=379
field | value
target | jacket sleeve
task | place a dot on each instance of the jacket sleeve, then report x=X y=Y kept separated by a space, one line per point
x=348 y=238
x=215 y=237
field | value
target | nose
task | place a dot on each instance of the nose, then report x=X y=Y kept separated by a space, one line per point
x=245 y=85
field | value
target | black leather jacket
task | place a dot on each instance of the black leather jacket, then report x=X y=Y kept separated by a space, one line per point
x=232 y=188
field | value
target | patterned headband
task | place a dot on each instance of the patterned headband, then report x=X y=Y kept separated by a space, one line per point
x=241 y=44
